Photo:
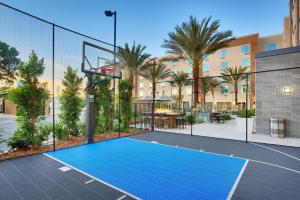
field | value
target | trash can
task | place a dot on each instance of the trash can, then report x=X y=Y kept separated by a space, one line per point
x=277 y=127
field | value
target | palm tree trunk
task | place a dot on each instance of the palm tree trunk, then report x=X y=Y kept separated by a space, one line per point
x=200 y=76
x=135 y=85
x=153 y=104
x=196 y=75
x=213 y=98
x=236 y=93
x=179 y=97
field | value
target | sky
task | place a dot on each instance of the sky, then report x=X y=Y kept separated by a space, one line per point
x=148 y=22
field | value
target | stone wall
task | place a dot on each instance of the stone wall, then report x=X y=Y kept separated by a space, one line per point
x=271 y=100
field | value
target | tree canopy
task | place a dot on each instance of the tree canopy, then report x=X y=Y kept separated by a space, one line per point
x=9 y=62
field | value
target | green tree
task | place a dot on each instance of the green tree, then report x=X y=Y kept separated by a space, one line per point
x=180 y=78
x=133 y=59
x=214 y=83
x=71 y=103
x=154 y=72
x=9 y=63
x=125 y=103
x=104 y=106
x=207 y=84
x=193 y=40
x=233 y=75
x=29 y=97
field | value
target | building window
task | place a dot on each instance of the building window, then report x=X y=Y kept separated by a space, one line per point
x=188 y=69
x=223 y=53
x=224 y=65
x=141 y=93
x=244 y=88
x=150 y=85
x=245 y=62
x=205 y=57
x=245 y=49
x=271 y=46
x=141 y=78
x=205 y=67
x=224 y=89
x=162 y=84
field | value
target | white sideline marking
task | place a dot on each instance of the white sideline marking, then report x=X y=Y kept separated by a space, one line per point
x=122 y=197
x=237 y=181
x=286 y=154
x=99 y=180
x=262 y=162
x=87 y=182
x=65 y=168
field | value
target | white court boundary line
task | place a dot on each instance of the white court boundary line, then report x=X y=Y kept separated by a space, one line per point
x=97 y=179
x=237 y=181
x=257 y=161
x=280 y=152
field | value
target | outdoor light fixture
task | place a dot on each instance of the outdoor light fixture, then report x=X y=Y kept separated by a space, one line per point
x=287 y=90
x=109 y=13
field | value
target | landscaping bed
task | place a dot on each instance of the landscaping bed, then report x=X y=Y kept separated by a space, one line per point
x=61 y=144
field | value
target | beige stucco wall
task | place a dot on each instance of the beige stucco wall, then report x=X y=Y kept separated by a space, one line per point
x=263 y=41
x=286 y=32
x=234 y=58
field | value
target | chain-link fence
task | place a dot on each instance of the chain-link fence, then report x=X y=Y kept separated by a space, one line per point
x=43 y=91
x=44 y=95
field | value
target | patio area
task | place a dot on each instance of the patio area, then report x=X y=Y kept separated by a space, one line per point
x=230 y=130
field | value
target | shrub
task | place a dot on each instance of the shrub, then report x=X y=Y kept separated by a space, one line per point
x=82 y=128
x=60 y=131
x=244 y=114
x=44 y=129
x=20 y=140
x=125 y=103
x=190 y=119
x=226 y=117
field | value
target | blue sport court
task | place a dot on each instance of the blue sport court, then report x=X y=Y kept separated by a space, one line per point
x=148 y=170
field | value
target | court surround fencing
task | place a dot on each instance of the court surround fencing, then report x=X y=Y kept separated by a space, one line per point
x=268 y=92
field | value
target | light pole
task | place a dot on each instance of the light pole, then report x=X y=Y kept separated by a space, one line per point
x=109 y=13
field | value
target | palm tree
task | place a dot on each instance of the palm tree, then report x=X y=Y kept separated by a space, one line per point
x=207 y=84
x=193 y=40
x=154 y=71
x=214 y=83
x=132 y=59
x=204 y=87
x=234 y=75
x=180 y=78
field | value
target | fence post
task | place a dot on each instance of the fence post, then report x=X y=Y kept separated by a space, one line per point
x=53 y=96
x=119 y=115
x=247 y=90
x=192 y=103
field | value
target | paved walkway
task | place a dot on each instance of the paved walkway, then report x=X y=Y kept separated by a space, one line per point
x=230 y=130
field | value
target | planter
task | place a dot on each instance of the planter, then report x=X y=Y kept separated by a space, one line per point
x=241 y=124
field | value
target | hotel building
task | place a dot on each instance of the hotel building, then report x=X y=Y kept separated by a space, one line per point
x=239 y=52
